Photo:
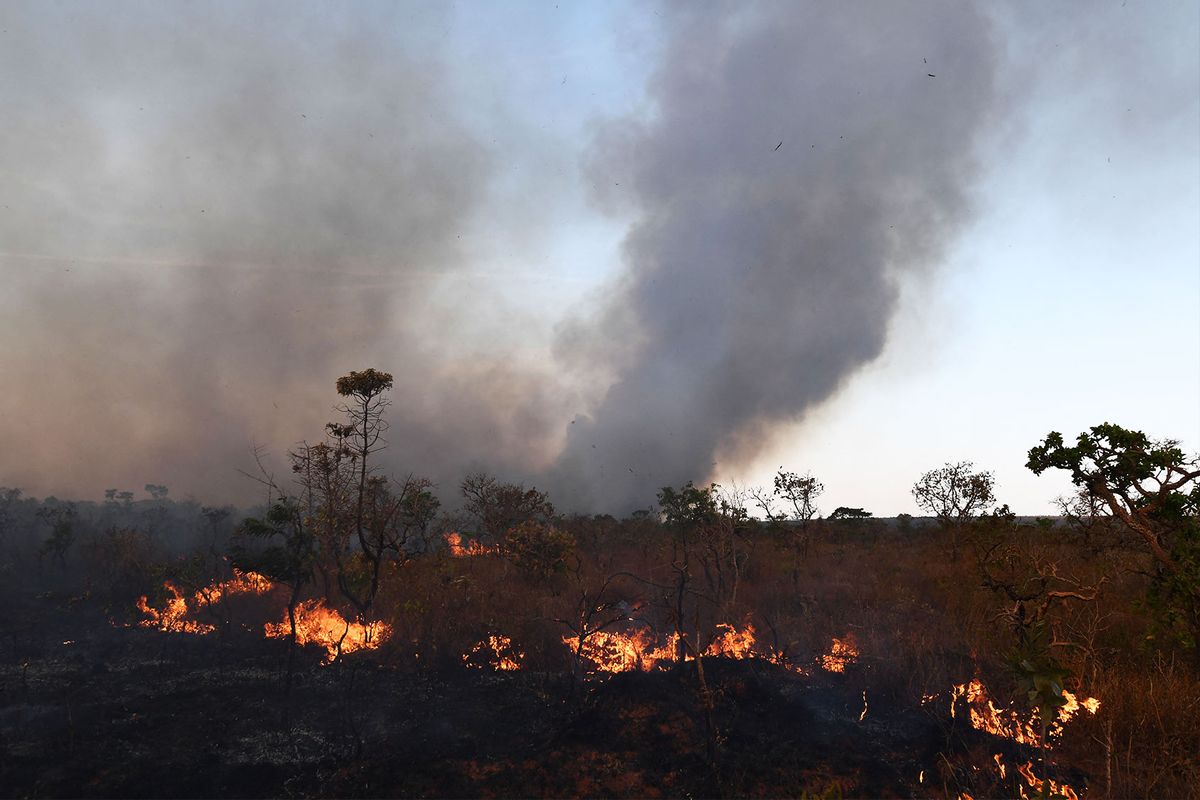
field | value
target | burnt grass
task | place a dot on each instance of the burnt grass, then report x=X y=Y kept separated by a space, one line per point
x=91 y=708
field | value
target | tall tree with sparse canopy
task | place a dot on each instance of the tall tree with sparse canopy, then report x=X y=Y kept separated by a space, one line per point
x=365 y=425
x=954 y=494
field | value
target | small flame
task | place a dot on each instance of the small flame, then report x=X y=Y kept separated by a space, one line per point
x=454 y=541
x=320 y=625
x=1031 y=781
x=497 y=652
x=842 y=653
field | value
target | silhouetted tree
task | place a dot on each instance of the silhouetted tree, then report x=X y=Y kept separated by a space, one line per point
x=498 y=507
x=1154 y=489
x=954 y=494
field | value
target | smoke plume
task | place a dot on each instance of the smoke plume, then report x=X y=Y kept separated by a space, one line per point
x=210 y=212
x=799 y=160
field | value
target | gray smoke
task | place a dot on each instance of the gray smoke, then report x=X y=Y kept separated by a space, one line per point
x=759 y=275
x=209 y=212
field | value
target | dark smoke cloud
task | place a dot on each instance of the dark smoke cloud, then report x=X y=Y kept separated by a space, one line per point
x=760 y=276
x=209 y=212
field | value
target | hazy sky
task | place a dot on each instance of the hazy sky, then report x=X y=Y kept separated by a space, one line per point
x=603 y=247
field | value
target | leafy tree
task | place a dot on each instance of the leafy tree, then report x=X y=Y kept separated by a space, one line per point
x=61 y=518
x=846 y=512
x=362 y=433
x=800 y=492
x=499 y=507
x=1041 y=677
x=707 y=527
x=954 y=494
x=1154 y=489
x=157 y=491
x=8 y=501
x=287 y=558
x=687 y=506
x=538 y=549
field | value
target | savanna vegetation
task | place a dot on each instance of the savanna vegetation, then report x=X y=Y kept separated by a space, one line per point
x=356 y=636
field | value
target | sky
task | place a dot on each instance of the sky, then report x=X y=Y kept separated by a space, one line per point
x=603 y=247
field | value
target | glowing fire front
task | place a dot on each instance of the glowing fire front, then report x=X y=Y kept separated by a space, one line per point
x=315 y=623
x=173 y=617
x=842 y=653
x=318 y=624
x=614 y=651
x=985 y=716
x=454 y=541
x=496 y=652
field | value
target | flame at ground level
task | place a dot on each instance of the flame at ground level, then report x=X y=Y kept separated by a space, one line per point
x=985 y=716
x=318 y=624
x=315 y=623
x=842 y=653
x=640 y=650
x=173 y=617
x=497 y=652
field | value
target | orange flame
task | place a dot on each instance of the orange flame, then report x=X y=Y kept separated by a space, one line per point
x=612 y=651
x=842 y=653
x=985 y=716
x=314 y=622
x=733 y=643
x=320 y=625
x=1031 y=781
x=173 y=617
x=454 y=540
x=1055 y=789
x=497 y=652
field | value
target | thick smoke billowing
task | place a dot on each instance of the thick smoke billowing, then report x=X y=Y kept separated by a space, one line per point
x=760 y=275
x=209 y=213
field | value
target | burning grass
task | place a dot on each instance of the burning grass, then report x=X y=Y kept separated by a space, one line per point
x=495 y=652
x=1009 y=723
x=322 y=626
x=316 y=624
x=174 y=616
